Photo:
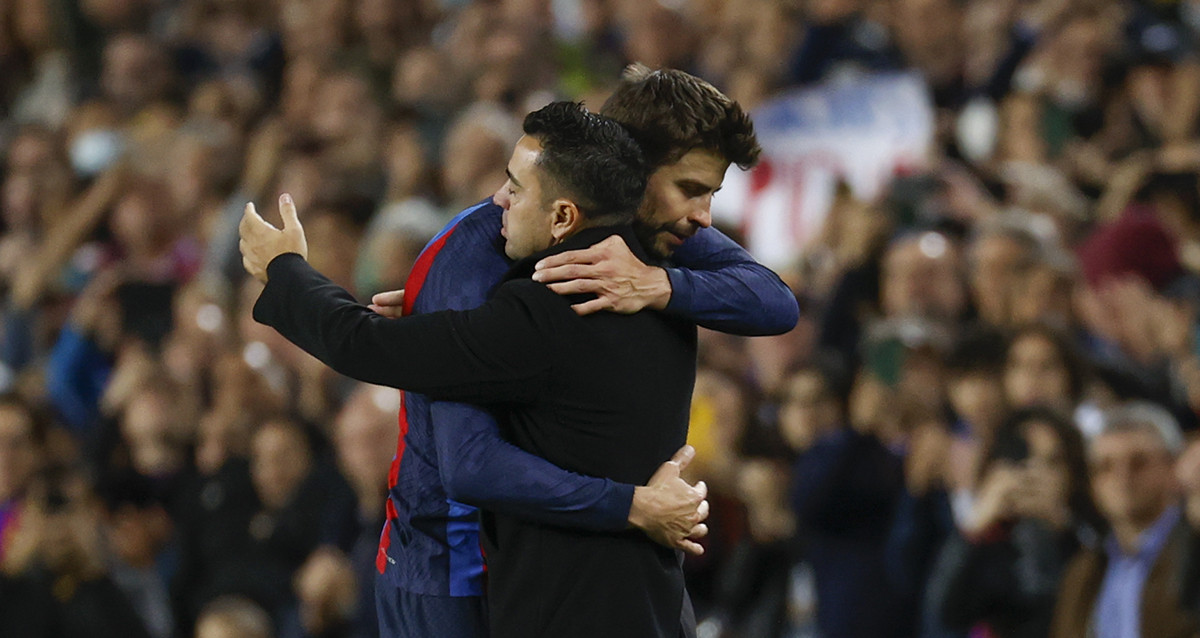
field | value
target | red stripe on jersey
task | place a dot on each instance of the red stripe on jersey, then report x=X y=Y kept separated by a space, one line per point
x=420 y=270
x=412 y=288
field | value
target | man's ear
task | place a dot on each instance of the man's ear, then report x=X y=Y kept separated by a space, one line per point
x=565 y=219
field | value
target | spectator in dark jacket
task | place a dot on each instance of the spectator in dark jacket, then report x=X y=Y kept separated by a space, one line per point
x=845 y=486
x=1002 y=570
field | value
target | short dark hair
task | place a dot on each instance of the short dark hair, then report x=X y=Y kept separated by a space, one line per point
x=590 y=158
x=1072 y=360
x=670 y=112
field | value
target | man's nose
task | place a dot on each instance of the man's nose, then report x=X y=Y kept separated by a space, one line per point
x=702 y=214
x=500 y=198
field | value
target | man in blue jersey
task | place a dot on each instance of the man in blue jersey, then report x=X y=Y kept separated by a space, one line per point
x=451 y=453
x=690 y=133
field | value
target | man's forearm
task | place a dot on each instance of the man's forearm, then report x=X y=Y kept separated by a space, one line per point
x=492 y=354
x=480 y=468
x=717 y=284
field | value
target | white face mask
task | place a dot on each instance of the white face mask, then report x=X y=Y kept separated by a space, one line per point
x=976 y=130
x=94 y=151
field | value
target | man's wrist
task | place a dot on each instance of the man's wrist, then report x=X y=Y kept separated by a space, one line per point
x=660 y=288
x=637 y=507
x=641 y=507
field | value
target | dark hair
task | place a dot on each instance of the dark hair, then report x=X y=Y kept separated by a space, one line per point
x=977 y=349
x=590 y=159
x=670 y=112
x=837 y=379
x=1009 y=444
x=1073 y=362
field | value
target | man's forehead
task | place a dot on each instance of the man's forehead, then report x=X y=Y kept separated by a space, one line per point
x=699 y=164
x=1124 y=442
x=524 y=157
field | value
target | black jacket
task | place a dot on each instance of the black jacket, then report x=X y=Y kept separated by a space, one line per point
x=605 y=395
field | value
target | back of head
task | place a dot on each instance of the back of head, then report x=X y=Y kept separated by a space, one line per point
x=233 y=617
x=670 y=112
x=589 y=159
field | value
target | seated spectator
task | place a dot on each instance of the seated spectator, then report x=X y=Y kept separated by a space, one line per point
x=262 y=519
x=1136 y=582
x=138 y=530
x=22 y=438
x=1001 y=572
x=233 y=617
x=974 y=368
x=1042 y=369
x=57 y=567
x=328 y=598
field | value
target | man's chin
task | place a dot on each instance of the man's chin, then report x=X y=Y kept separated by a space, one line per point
x=666 y=242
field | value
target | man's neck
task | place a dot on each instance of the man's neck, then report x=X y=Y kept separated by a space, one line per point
x=1128 y=533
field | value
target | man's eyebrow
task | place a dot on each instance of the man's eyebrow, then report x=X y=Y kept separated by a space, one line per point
x=696 y=185
x=512 y=179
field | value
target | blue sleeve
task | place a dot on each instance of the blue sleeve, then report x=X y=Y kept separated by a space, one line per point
x=76 y=376
x=479 y=468
x=718 y=285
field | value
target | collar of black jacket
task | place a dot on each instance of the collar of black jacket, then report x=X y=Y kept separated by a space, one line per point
x=523 y=269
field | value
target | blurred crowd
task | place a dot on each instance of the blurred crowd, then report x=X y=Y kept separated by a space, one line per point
x=979 y=428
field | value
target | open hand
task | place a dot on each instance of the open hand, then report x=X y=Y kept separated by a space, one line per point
x=261 y=242
x=609 y=270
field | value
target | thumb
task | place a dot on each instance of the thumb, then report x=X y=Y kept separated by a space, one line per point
x=683 y=456
x=287 y=210
x=665 y=472
x=250 y=216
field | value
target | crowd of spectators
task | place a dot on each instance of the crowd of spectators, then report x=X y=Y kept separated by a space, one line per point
x=977 y=429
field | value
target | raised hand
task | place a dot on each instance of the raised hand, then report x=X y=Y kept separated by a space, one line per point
x=261 y=242
x=609 y=270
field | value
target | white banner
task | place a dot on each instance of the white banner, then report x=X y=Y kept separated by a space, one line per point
x=863 y=131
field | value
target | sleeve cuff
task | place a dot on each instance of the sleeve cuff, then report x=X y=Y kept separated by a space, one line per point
x=614 y=506
x=681 y=290
x=276 y=283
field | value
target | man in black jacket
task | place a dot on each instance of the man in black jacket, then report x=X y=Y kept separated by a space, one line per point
x=604 y=394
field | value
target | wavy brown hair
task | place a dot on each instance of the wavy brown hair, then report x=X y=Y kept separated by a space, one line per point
x=670 y=112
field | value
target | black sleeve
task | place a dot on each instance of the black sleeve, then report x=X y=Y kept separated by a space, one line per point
x=497 y=353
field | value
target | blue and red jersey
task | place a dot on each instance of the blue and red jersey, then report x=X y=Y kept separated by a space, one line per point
x=430 y=543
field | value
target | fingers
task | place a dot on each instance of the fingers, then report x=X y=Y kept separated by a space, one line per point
x=693 y=548
x=702 y=510
x=389 y=304
x=702 y=488
x=391 y=312
x=585 y=256
x=588 y=307
x=287 y=210
x=577 y=287
x=565 y=272
x=699 y=531
x=389 y=298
